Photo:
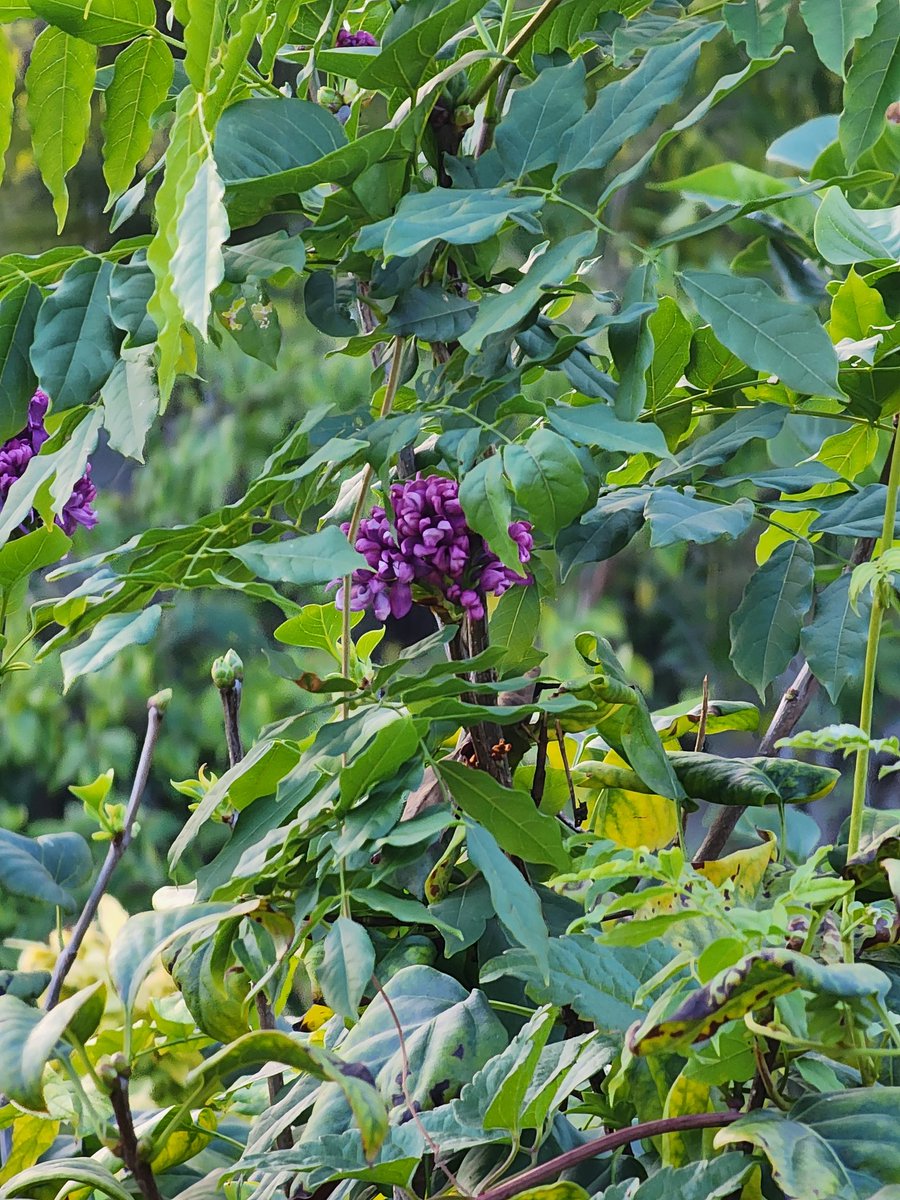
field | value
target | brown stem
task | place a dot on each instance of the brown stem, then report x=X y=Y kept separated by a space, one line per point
x=128 y=1144
x=275 y=1083
x=470 y=640
x=554 y=1167
x=522 y=38
x=231 y=707
x=117 y=847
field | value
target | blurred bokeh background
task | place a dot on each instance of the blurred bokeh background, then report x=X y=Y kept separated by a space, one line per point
x=666 y=611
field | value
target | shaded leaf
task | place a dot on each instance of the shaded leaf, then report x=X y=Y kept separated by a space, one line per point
x=108 y=639
x=873 y=83
x=315 y=558
x=834 y=642
x=28 y=1040
x=345 y=971
x=835 y=25
x=18 y=312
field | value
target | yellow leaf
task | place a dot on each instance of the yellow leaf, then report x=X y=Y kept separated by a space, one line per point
x=745 y=867
x=685 y=1096
x=632 y=819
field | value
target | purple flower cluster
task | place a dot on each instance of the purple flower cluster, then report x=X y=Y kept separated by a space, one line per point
x=15 y=456
x=346 y=38
x=427 y=545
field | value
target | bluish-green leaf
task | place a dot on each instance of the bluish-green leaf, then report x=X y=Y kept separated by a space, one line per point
x=28 y=1040
x=759 y=24
x=538 y=117
x=108 y=639
x=835 y=640
x=488 y=507
x=75 y=342
x=103 y=22
x=851 y=235
x=18 y=312
x=765 y=628
x=766 y=332
x=460 y=216
x=420 y=29
x=676 y=516
x=315 y=558
x=346 y=967
x=630 y=105
x=835 y=25
x=598 y=425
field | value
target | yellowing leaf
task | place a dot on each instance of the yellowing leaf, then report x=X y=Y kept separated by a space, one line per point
x=745 y=867
x=633 y=819
x=685 y=1096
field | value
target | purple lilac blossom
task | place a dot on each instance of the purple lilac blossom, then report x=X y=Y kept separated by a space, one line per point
x=362 y=38
x=427 y=551
x=18 y=451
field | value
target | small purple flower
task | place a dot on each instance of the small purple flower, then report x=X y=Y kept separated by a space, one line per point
x=427 y=551
x=345 y=38
x=18 y=451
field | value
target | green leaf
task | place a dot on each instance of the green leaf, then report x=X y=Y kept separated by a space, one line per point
x=143 y=937
x=44 y=868
x=834 y=642
x=59 y=82
x=766 y=332
x=31 y=1138
x=765 y=421
x=447 y=1034
x=431 y=314
x=198 y=264
x=18 y=312
x=757 y=23
x=486 y=502
x=670 y=334
x=63 y=1171
x=204 y=39
x=28 y=1040
x=856 y=310
x=277 y=256
x=9 y=62
x=598 y=425
x=631 y=344
x=391 y=744
x=851 y=235
x=75 y=342
x=599 y=982
x=515 y=902
x=461 y=216
x=345 y=971
x=141 y=80
x=24 y=555
x=684 y=517
x=765 y=629
x=130 y=402
x=268 y=151
x=548 y=479
x=842 y=1146
x=509 y=815
x=514 y=623
x=501 y=311
x=316 y=558
x=835 y=25
x=753 y=983
x=873 y=82
x=538 y=117
x=419 y=31
x=103 y=22
x=108 y=639
x=630 y=105
x=605 y=530
x=130 y=290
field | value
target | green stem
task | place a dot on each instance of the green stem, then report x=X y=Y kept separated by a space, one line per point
x=867 y=703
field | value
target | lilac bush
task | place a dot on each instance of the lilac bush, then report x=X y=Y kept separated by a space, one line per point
x=18 y=451
x=426 y=551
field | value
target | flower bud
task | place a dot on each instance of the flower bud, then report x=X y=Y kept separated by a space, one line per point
x=235 y=662
x=222 y=674
x=161 y=700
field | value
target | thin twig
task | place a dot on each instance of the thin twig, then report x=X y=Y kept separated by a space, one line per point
x=554 y=1167
x=128 y=1143
x=522 y=38
x=540 y=764
x=117 y=847
x=435 y=1149
x=275 y=1083
x=579 y=811
x=704 y=715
